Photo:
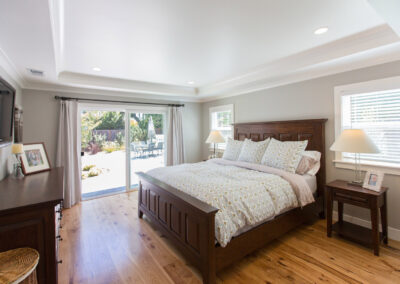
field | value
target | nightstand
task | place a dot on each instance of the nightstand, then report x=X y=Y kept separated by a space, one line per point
x=342 y=192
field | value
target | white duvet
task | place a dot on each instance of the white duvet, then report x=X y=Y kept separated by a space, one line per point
x=243 y=196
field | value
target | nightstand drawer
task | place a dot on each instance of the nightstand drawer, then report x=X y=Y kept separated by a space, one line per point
x=352 y=199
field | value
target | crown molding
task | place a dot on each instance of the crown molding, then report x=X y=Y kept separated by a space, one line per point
x=365 y=59
x=59 y=88
x=123 y=85
x=10 y=69
x=269 y=75
x=56 y=12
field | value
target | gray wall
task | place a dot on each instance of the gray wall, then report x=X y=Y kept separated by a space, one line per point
x=6 y=160
x=41 y=113
x=312 y=99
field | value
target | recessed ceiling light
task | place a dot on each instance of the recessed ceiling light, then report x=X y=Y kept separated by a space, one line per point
x=321 y=31
x=190 y=82
x=97 y=69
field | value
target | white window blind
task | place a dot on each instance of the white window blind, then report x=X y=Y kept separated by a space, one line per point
x=379 y=115
x=221 y=118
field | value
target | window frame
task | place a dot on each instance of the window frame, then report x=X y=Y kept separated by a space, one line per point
x=211 y=110
x=374 y=86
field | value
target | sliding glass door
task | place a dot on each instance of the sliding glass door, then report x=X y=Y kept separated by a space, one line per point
x=147 y=143
x=116 y=142
x=103 y=155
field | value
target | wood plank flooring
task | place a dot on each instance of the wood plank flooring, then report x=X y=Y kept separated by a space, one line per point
x=105 y=242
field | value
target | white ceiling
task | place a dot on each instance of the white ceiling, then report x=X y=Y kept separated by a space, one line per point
x=157 y=46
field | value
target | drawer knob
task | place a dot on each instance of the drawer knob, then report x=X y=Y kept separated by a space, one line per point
x=59 y=238
x=59 y=261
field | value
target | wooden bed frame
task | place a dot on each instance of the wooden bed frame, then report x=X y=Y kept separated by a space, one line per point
x=190 y=223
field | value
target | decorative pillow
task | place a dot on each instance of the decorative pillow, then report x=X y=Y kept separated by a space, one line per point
x=309 y=163
x=284 y=155
x=232 y=150
x=252 y=152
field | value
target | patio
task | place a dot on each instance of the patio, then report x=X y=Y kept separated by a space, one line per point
x=111 y=171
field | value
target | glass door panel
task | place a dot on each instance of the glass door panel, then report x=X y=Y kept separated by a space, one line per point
x=103 y=152
x=146 y=138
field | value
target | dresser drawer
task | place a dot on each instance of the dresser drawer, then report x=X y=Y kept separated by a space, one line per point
x=351 y=199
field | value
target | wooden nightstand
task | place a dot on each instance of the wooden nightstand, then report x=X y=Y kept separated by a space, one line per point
x=342 y=192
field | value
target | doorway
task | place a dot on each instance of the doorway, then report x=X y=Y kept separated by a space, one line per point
x=117 y=142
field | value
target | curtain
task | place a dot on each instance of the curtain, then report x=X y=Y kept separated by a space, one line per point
x=68 y=152
x=175 y=149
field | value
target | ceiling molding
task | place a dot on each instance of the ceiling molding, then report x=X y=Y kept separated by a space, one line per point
x=123 y=85
x=366 y=40
x=364 y=59
x=10 y=69
x=56 y=12
x=58 y=88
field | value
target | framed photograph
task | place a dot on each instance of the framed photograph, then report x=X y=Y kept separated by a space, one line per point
x=34 y=158
x=373 y=180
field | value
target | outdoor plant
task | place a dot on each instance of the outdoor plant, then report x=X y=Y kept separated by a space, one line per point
x=110 y=147
x=88 y=167
x=120 y=139
x=94 y=172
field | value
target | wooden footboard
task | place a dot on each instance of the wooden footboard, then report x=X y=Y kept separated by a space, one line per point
x=188 y=222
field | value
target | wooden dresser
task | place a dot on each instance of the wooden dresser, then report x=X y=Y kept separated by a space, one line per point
x=30 y=215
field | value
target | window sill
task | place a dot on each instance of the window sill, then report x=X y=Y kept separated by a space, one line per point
x=387 y=168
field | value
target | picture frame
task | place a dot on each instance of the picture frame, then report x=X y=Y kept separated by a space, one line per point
x=373 y=180
x=34 y=158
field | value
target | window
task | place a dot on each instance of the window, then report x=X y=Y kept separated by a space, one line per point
x=221 y=118
x=377 y=112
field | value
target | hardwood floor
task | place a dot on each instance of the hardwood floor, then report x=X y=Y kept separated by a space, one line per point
x=105 y=242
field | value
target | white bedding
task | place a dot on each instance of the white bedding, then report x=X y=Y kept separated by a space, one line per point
x=244 y=197
x=311 y=181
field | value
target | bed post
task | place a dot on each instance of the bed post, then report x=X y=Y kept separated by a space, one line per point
x=209 y=262
x=140 y=212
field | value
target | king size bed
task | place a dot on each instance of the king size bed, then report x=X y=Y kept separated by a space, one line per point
x=217 y=212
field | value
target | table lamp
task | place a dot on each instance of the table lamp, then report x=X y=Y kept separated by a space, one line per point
x=215 y=137
x=17 y=150
x=355 y=141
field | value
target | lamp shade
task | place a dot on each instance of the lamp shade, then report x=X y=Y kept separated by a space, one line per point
x=215 y=137
x=354 y=141
x=17 y=149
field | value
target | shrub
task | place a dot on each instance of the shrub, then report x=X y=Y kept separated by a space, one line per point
x=110 y=147
x=88 y=167
x=94 y=172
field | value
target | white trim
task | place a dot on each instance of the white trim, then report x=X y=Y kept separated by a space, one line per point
x=10 y=69
x=371 y=47
x=211 y=110
x=387 y=168
x=393 y=233
x=374 y=46
x=368 y=87
x=103 y=92
x=127 y=109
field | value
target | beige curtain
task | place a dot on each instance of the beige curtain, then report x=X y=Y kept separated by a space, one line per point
x=68 y=152
x=175 y=149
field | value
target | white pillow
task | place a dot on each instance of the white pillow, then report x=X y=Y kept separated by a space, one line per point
x=284 y=155
x=232 y=150
x=310 y=163
x=252 y=152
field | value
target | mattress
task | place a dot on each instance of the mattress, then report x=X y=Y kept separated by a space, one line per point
x=311 y=181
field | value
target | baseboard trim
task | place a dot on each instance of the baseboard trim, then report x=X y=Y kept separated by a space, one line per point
x=394 y=234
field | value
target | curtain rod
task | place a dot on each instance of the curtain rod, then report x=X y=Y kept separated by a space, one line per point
x=111 y=101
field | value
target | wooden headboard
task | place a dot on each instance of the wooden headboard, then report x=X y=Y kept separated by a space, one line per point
x=312 y=130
